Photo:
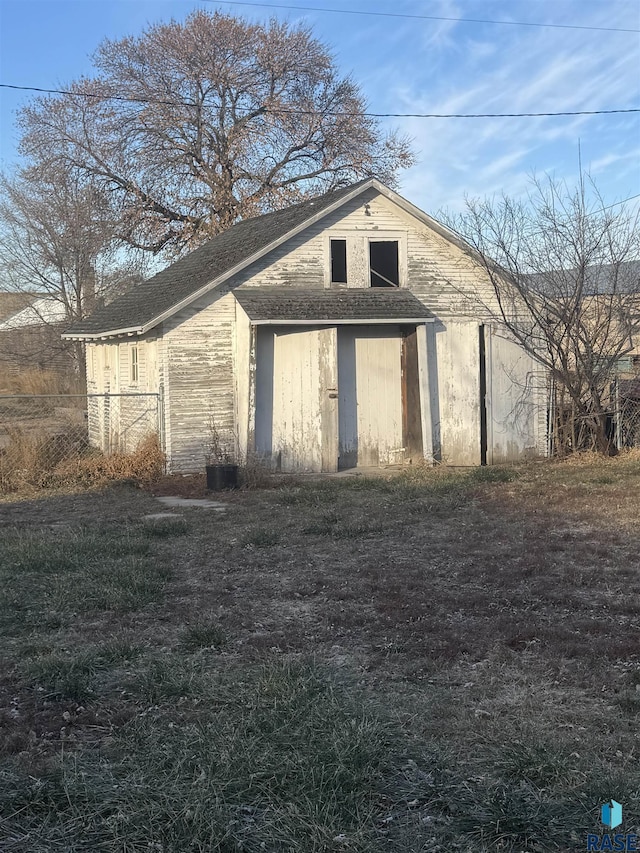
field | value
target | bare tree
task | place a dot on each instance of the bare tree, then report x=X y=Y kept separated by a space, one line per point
x=57 y=241
x=194 y=125
x=565 y=274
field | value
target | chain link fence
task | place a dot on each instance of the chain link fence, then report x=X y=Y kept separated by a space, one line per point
x=42 y=436
x=628 y=413
x=570 y=432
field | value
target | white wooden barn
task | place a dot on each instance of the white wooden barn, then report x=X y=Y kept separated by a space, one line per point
x=349 y=330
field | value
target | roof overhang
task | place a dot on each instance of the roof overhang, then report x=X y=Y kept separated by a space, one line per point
x=393 y=321
x=96 y=337
x=301 y=306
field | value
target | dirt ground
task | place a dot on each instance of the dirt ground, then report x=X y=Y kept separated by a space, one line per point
x=402 y=579
x=485 y=607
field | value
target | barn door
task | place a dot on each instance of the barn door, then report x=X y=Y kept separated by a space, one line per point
x=296 y=442
x=515 y=399
x=296 y=399
x=370 y=396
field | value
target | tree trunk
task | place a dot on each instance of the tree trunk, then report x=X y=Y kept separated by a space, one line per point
x=604 y=444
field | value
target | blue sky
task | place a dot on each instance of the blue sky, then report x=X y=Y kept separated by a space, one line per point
x=405 y=66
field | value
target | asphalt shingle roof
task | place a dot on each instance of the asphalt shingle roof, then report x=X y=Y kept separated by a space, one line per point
x=292 y=303
x=600 y=280
x=148 y=300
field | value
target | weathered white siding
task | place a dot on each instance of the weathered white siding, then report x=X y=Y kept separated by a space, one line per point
x=198 y=380
x=93 y=412
x=446 y=279
x=454 y=287
x=244 y=371
x=297 y=423
x=278 y=392
x=117 y=421
x=138 y=416
x=103 y=365
x=456 y=409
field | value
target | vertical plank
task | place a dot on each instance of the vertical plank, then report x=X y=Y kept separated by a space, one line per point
x=411 y=418
x=251 y=413
x=515 y=400
x=378 y=395
x=347 y=400
x=458 y=363
x=263 y=386
x=328 y=355
x=425 y=391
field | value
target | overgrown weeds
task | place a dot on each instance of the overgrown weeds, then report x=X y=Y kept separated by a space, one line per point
x=39 y=460
x=203 y=634
x=36 y=382
x=261 y=537
x=282 y=759
x=287 y=757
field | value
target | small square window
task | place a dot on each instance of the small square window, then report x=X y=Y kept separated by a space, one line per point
x=134 y=364
x=338 y=261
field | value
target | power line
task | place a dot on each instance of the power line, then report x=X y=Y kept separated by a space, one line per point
x=423 y=17
x=622 y=201
x=335 y=113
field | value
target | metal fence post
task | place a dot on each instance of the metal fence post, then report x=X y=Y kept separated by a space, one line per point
x=618 y=421
x=161 y=434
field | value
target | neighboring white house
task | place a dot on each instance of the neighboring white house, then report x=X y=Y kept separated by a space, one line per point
x=30 y=334
x=349 y=330
x=42 y=310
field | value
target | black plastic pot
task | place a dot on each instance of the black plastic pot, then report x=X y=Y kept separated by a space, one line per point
x=222 y=476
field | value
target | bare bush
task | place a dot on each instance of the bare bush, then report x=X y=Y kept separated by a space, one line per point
x=37 y=460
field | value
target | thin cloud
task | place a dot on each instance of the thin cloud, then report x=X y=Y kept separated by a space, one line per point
x=524 y=71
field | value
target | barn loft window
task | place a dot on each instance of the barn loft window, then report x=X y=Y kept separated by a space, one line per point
x=134 y=364
x=338 y=261
x=383 y=263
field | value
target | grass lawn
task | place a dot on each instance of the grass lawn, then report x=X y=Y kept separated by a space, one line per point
x=436 y=661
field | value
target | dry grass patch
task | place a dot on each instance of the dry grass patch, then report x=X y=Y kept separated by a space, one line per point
x=36 y=382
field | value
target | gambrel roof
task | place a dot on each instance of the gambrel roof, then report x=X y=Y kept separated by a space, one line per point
x=146 y=305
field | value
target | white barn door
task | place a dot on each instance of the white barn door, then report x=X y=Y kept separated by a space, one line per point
x=514 y=403
x=296 y=442
x=370 y=396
